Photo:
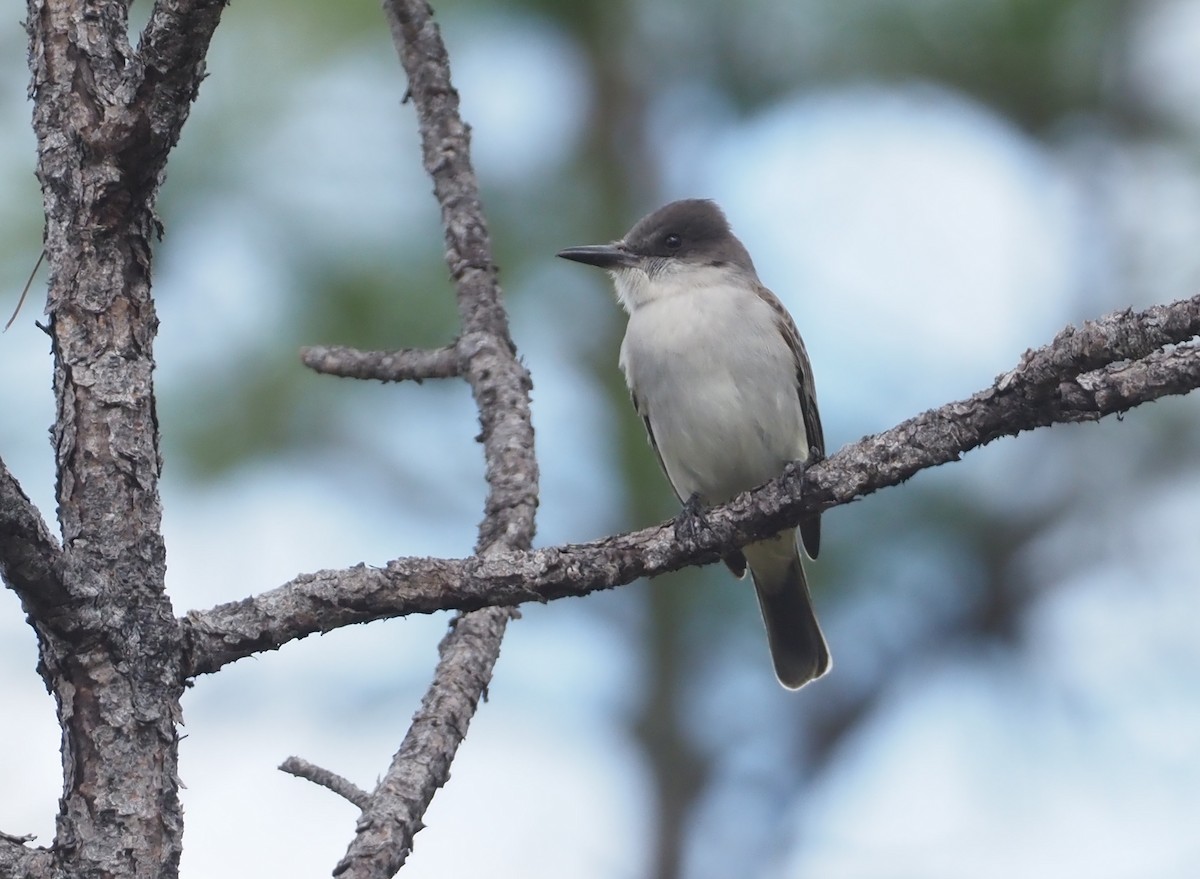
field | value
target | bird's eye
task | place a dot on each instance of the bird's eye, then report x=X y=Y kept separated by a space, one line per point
x=673 y=241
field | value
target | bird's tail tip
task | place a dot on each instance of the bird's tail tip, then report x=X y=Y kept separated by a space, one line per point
x=798 y=648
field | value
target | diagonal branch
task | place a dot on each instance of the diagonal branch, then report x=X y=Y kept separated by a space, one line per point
x=29 y=554
x=411 y=364
x=387 y=826
x=1119 y=387
x=486 y=357
x=329 y=599
x=171 y=50
x=1120 y=335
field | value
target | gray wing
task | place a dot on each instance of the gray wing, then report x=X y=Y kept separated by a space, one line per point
x=645 y=416
x=810 y=528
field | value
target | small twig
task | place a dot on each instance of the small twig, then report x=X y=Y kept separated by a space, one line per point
x=1121 y=386
x=21 y=301
x=343 y=787
x=410 y=364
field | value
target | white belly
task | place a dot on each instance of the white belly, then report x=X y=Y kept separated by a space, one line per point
x=718 y=384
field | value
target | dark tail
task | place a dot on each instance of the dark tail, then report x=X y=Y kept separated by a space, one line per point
x=798 y=648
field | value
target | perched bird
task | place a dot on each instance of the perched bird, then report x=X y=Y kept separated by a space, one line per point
x=722 y=382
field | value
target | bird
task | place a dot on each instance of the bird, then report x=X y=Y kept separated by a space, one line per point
x=722 y=382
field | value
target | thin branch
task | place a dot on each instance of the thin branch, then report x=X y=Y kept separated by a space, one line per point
x=171 y=50
x=29 y=554
x=25 y=291
x=498 y=380
x=328 y=599
x=410 y=364
x=486 y=356
x=1119 y=335
x=343 y=787
x=1121 y=386
x=386 y=829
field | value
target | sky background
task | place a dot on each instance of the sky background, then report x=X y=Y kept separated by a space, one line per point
x=926 y=216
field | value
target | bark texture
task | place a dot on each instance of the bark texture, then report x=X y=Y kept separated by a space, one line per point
x=110 y=649
x=413 y=364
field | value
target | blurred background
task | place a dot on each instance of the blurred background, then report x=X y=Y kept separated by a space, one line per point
x=931 y=186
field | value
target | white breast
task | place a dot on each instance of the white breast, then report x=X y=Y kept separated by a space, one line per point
x=717 y=380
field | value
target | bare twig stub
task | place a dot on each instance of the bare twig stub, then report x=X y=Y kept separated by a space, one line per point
x=343 y=787
x=20 y=862
x=388 y=366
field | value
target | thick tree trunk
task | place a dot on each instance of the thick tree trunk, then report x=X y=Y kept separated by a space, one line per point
x=110 y=647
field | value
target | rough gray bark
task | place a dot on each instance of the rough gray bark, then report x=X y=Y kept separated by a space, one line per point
x=341 y=786
x=487 y=359
x=112 y=652
x=29 y=554
x=411 y=364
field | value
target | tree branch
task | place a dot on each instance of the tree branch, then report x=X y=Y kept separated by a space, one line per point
x=328 y=599
x=29 y=553
x=1120 y=335
x=343 y=787
x=171 y=51
x=410 y=364
x=486 y=357
x=384 y=835
x=1119 y=387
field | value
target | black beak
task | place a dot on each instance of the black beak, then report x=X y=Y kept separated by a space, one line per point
x=604 y=256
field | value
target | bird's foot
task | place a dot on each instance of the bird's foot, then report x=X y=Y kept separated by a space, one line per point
x=691 y=524
x=794 y=471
